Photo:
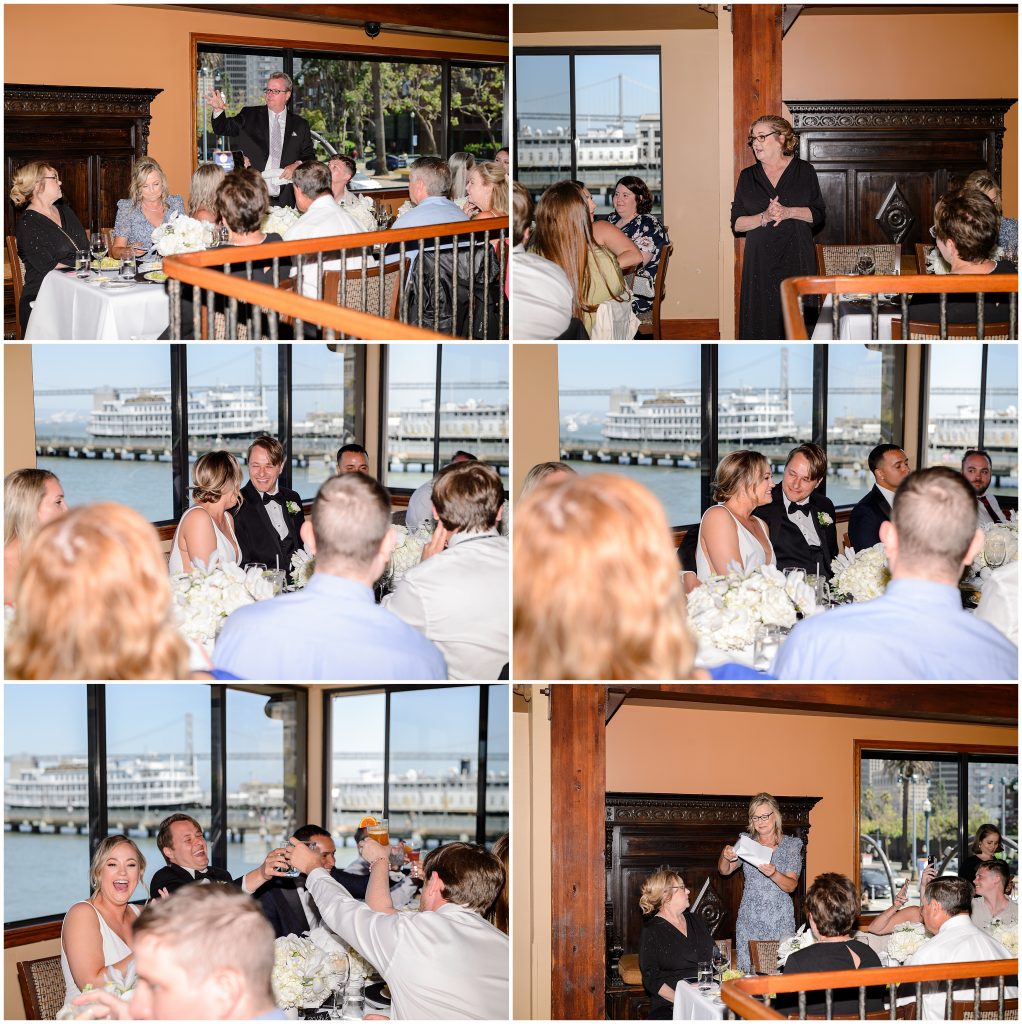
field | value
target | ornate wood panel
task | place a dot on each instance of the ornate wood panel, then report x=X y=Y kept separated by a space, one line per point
x=687 y=833
x=883 y=164
x=92 y=136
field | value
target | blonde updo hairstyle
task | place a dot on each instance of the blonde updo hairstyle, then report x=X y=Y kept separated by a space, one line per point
x=789 y=140
x=103 y=851
x=496 y=177
x=142 y=169
x=757 y=801
x=656 y=890
x=24 y=490
x=215 y=473
x=26 y=180
x=738 y=473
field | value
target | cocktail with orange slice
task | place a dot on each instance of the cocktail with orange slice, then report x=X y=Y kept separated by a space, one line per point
x=377 y=829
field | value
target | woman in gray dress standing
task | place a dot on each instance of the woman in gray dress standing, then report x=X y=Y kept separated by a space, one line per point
x=766 y=910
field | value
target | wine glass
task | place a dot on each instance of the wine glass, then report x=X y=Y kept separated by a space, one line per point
x=864 y=263
x=721 y=962
x=98 y=246
x=341 y=969
x=995 y=551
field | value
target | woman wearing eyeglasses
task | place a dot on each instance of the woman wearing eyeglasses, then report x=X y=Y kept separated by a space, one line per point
x=674 y=941
x=777 y=208
x=766 y=911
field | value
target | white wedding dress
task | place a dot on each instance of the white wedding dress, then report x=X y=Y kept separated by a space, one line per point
x=114 y=951
x=749 y=547
x=227 y=550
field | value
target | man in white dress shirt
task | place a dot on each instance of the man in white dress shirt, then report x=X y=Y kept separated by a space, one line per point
x=945 y=905
x=445 y=962
x=457 y=595
x=976 y=466
x=420 y=504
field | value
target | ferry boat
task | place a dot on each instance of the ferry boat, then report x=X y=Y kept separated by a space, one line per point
x=461 y=422
x=212 y=412
x=959 y=429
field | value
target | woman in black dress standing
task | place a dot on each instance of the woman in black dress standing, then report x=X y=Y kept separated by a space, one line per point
x=674 y=941
x=778 y=207
x=48 y=232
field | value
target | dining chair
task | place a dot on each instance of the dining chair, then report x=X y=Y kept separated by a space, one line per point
x=17 y=281
x=839 y=260
x=965 y=1009
x=347 y=290
x=42 y=987
x=107 y=234
x=922 y=251
x=925 y=330
x=907 y=1012
x=649 y=323
x=763 y=955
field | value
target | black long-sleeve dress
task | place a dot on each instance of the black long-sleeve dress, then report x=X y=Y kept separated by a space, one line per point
x=774 y=253
x=42 y=245
x=667 y=956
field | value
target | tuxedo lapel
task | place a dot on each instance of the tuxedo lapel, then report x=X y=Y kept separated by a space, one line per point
x=264 y=519
x=882 y=504
x=297 y=919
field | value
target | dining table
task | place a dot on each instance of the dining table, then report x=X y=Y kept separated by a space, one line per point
x=691 y=1003
x=855 y=320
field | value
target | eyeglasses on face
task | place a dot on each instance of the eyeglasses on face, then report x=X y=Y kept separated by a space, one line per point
x=671 y=888
x=762 y=138
x=763 y=817
x=49 y=177
x=276 y=92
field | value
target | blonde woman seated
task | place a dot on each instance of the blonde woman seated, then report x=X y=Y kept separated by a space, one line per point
x=206 y=531
x=487 y=191
x=94 y=602
x=544 y=471
x=899 y=912
x=674 y=941
x=729 y=534
x=32 y=498
x=461 y=164
x=148 y=206
x=202 y=192
x=96 y=933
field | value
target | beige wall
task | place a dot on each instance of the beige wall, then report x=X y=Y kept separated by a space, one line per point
x=909 y=56
x=535 y=434
x=19 y=409
x=13 y=1008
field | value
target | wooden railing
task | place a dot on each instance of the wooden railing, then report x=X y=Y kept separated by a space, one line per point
x=206 y=272
x=738 y=994
x=794 y=289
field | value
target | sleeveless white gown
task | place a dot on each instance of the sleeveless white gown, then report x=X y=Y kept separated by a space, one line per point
x=114 y=951
x=749 y=548
x=226 y=547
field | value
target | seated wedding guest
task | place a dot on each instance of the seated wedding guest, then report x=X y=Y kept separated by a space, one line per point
x=499 y=915
x=976 y=467
x=965 y=225
x=946 y=905
x=503 y=158
x=93 y=940
x=93 y=601
x=993 y=886
x=487 y=191
x=209 y=537
x=184 y=849
x=204 y=954
x=597 y=593
x=674 y=940
x=766 y=910
x=802 y=521
x=632 y=203
x=889 y=465
x=445 y=962
x=32 y=498
x=333 y=626
x=242 y=203
x=269 y=520
x=999 y=604
x=982 y=850
x=352 y=458
x=564 y=235
x=149 y=204
x=917 y=629
x=543 y=471
x=1007 y=231
x=542 y=296
x=899 y=912
x=729 y=532
x=429 y=182
x=606 y=233
x=342 y=170
x=832 y=907
x=49 y=233
x=202 y=192
x=460 y=165
x=285 y=901
x=420 y=504
x=457 y=596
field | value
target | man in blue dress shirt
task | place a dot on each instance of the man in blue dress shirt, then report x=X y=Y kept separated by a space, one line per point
x=333 y=629
x=429 y=184
x=918 y=628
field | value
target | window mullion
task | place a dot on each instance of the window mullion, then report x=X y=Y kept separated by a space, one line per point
x=386 y=753
x=218 y=775
x=484 y=722
x=284 y=424
x=95 y=697
x=179 y=428
x=820 y=388
x=438 y=384
x=709 y=375
x=984 y=355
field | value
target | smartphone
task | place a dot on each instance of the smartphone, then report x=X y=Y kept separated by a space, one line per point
x=239 y=157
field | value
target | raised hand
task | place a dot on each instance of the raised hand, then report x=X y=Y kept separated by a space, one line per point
x=436 y=543
x=215 y=100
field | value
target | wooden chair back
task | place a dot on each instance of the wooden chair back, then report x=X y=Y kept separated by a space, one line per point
x=922 y=251
x=659 y=291
x=108 y=239
x=906 y=1012
x=965 y=1009
x=924 y=330
x=347 y=290
x=763 y=955
x=837 y=260
x=17 y=280
x=42 y=987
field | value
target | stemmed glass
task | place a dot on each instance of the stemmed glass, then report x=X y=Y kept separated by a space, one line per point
x=98 y=246
x=721 y=962
x=995 y=551
x=864 y=263
x=341 y=968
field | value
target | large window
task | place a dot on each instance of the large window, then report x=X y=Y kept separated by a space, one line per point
x=593 y=115
x=164 y=747
x=419 y=755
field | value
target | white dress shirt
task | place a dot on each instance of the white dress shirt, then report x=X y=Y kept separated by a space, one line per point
x=275 y=511
x=889 y=495
x=271 y=172
x=998 y=603
x=803 y=520
x=323 y=219
x=446 y=964
x=984 y=516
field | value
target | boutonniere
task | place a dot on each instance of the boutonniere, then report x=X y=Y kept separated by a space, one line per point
x=823 y=519
x=294 y=135
x=293 y=507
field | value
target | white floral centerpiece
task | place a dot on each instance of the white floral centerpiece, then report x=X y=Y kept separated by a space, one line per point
x=861 y=575
x=303 y=975
x=279 y=220
x=462 y=202
x=1005 y=933
x=303 y=565
x=180 y=234
x=1009 y=531
x=360 y=970
x=905 y=940
x=205 y=597
x=726 y=611
x=405 y=207
x=363 y=209
x=802 y=938
x=408 y=551
x=120 y=984
x=935 y=263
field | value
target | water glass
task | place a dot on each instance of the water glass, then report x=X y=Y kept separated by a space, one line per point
x=704 y=976
x=82 y=260
x=821 y=589
x=768 y=640
x=128 y=268
x=277 y=578
x=995 y=550
x=261 y=566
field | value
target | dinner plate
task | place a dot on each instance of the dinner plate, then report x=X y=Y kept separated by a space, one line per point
x=378 y=994
x=155 y=275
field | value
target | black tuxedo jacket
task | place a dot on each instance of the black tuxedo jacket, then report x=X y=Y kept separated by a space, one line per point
x=790 y=547
x=283 y=906
x=258 y=540
x=171 y=877
x=865 y=520
x=251 y=127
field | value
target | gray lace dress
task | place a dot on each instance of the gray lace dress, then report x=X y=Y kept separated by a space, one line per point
x=766 y=911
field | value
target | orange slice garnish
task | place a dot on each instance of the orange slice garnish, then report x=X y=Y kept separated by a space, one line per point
x=367 y=821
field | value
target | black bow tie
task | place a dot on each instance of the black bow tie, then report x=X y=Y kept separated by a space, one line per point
x=794 y=507
x=202 y=874
x=278 y=498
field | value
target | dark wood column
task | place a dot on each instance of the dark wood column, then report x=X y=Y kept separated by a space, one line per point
x=756 y=42
x=578 y=784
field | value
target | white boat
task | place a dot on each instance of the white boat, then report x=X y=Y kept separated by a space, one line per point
x=212 y=412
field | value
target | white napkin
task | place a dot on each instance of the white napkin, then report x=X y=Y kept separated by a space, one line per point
x=752 y=852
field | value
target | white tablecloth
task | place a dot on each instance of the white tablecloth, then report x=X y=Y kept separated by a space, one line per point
x=855 y=321
x=691 y=1004
x=68 y=309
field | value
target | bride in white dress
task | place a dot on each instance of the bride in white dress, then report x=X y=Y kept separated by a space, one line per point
x=96 y=933
x=729 y=532
x=206 y=530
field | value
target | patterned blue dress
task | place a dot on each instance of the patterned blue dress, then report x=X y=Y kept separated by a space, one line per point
x=131 y=222
x=649 y=235
x=767 y=911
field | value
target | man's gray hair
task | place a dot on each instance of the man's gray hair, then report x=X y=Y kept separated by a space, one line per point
x=282 y=75
x=951 y=893
x=350 y=518
x=434 y=174
x=935 y=516
x=313 y=178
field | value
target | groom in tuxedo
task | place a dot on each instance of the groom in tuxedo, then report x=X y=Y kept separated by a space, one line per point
x=269 y=521
x=271 y=137
x=801 y=521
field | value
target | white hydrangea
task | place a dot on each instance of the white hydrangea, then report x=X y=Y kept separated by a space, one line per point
x=861 y=575
x=303 y=973
x=205 y=597
x=905 y=940
x=802 y=938
x=279 y=220
x=407 y=552
x=363 y=209
x=1005 y=934
x=180 y=234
